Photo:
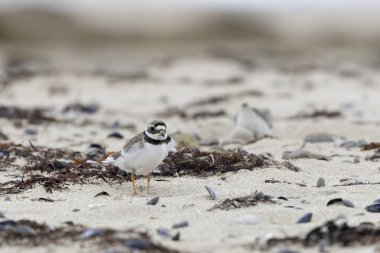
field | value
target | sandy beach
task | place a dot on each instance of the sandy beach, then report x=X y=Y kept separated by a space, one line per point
x=69 y=98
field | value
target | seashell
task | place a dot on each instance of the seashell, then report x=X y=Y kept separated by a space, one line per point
x=115 y=135
x=103 y=193
x=91 y=232
x=153 y=201
x=4 y=225
x=181 y=224
x=306 y=218
x=340 y=201
x=211 y=192
x=163 y=232
x=373 y=208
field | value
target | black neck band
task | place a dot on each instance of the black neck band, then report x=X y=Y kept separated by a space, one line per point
x=156 y=142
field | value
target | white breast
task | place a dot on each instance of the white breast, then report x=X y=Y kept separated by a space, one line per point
x=144 y=160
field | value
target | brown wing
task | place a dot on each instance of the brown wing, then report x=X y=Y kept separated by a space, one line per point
x=134 y=143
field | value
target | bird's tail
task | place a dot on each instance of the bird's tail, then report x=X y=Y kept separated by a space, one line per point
x=109 y=160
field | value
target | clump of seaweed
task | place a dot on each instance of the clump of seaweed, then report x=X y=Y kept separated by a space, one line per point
x=242 y=202
x=33 y=116
x=57 y=169
x=32 y=233
x=194 y=162
x=333 y=233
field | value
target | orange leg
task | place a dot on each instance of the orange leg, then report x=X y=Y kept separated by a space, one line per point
x=133 y=177
x=148 y=179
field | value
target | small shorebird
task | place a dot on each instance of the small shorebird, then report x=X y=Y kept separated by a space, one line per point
x=144 y=152
x=251 y=124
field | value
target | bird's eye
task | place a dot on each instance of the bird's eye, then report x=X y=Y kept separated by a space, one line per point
x=152 y=128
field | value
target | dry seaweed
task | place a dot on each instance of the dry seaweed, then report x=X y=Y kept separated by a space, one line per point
x=194 y=162
x=318 y=114
x=33 y=116
x=242 y=202
x=332 y=233
x=56 y=169
x=274 y=181
x=222 y=98
x=44 y=160
x=208 y=114
x=31 y=233
x=370 y=146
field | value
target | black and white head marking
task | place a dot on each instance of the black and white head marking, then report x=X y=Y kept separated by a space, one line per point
x=156 y=132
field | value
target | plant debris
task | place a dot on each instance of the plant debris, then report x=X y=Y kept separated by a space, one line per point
x=318 y=114
x=208 y=114
x=274 y=181
x=42 y=160
x=332 y=233
x=246 y=201
x=370 y=146
x=32 y=233
x=33 y=116
x=81 y=108
x=223 y=98
x=203 y=163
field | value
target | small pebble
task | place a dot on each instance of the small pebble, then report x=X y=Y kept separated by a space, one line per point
x=302 y=154
x=138 y=244
x=340 y=201
x=7 y=198
x=306 y=218
x=115 y=135
x=176 y=237
x=153 y=201
x=163 y=232
x=318 y=137
x=321 y=182
x=248 y=219
x=211 y=192
x=96 y=206
x=181 y=224
x=30 y=131
x=69 y=223
x=352 y=144
x=102 y=194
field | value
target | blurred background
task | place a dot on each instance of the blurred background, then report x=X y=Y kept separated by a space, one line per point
x=301 y=25
x=213 y=43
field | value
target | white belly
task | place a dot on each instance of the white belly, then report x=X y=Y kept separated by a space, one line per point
x=142 y=161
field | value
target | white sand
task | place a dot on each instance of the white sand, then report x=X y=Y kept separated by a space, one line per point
x=185 y=198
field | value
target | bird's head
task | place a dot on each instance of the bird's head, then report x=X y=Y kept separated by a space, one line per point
x=157 y=130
